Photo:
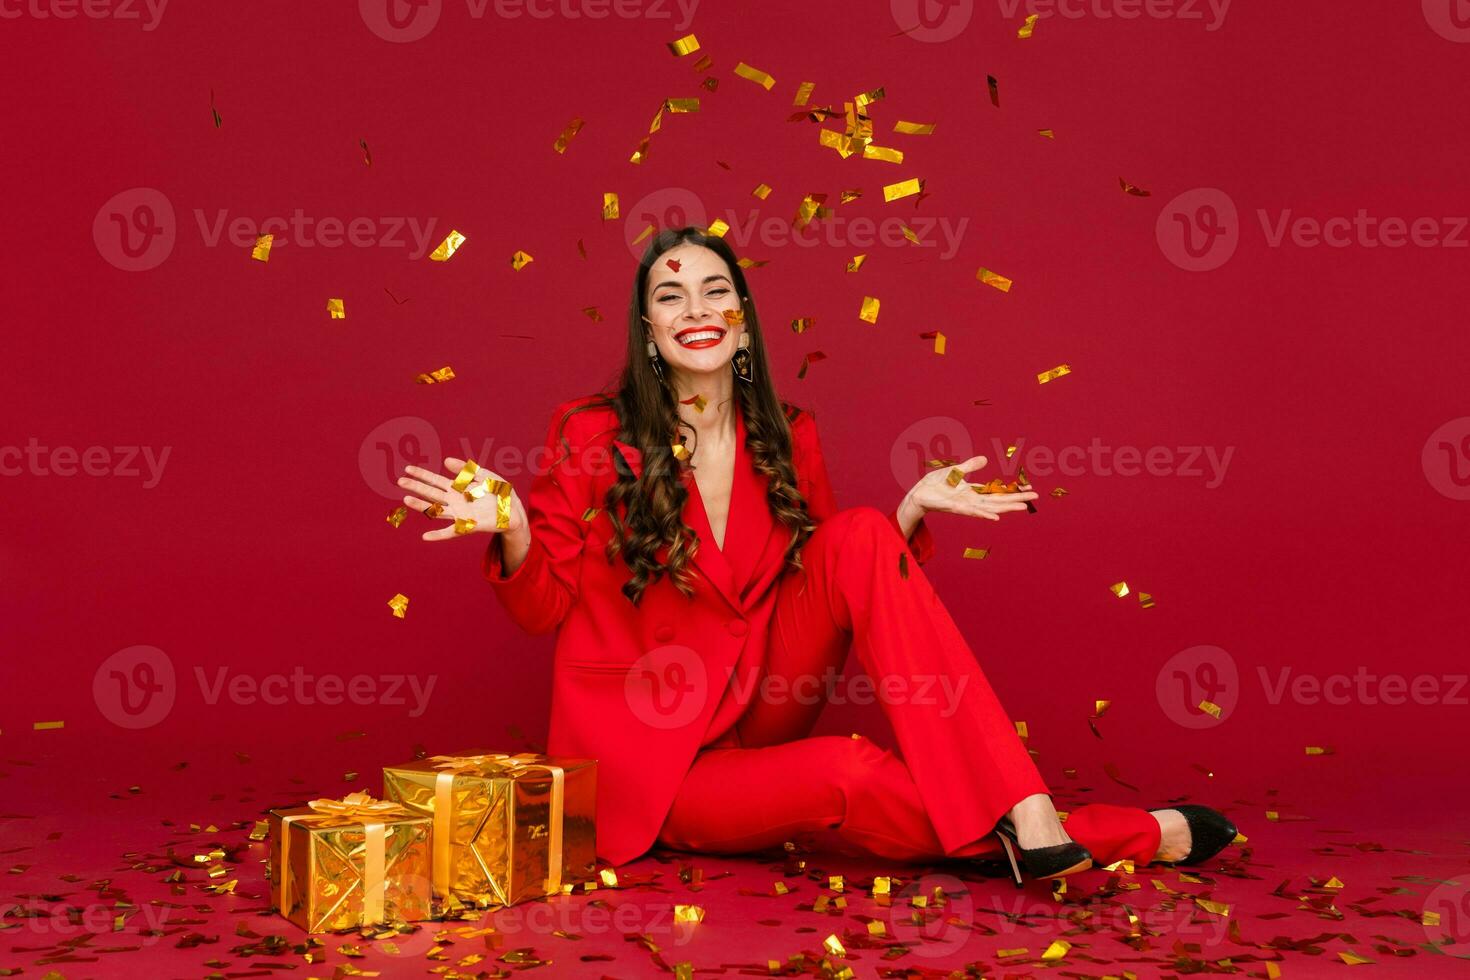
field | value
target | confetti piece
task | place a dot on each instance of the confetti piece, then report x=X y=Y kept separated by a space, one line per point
x=936 y=336
x=1057 y=949
x=1028 y=28
x=1214 y=908
x=809 y=208
x=593 y=313
x=1047 y=134
x=803 y=93
x=977 y=553
x=399 y=605
x=396 y=518
x=1059 y=492
x=262 y=250
x=681 y=451
x=903 y=566
x=751 y=263
x=519 y=260
x=994 y=86
x=367 y=155
x=762 y=191
x=994 y=279
x=1023 y=730
x=848 y=196
x=718 y=227
x=1119 y=589
x=609 y=206
x=464 y=525
x=1352 y=959
x=856 y=262
x=834 y=946
x=913 y=128
x=1053 y=374
x=688 y=44
x=447 y=248
x=885 y=153
x=802 y=324
x=47 y=726
x=755 y=75
x=688 y=913
x=572 y=129
x=1321 y=750
x=1146 y=600
x=904 y=188
x=733 y=318
x=869 y=311
x=1131 y=189
x=809 y=360
x=1210 y=708
x=445 y=373
x=335 y=309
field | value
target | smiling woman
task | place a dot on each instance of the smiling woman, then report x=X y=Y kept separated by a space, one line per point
x=741 y=582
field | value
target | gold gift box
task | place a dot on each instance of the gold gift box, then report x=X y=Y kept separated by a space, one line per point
x=506 y=827
x=342 y=864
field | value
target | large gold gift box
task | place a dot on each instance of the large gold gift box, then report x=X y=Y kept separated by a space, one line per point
x=357 y=861
x=506 y=827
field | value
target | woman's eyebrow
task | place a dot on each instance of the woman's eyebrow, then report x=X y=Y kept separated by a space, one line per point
x=677 y=285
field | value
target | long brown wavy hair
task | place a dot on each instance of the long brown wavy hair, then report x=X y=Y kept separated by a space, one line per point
x=649 y=420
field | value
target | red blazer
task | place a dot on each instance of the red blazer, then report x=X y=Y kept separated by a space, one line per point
x=567 y=584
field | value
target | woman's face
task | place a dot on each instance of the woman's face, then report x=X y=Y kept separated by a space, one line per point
x=688 y=288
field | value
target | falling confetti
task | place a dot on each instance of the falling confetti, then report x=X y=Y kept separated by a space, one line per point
x=993 y=279
x=262 y=250
x=1028 y=28
x=688 y=44
x=1132 y=189
x=572 y=129
x=367 y=155
x=869 y=311
x=335 y=309
x=1053 y=374
x=448 y=247
x=755 y=75
x=399 y=605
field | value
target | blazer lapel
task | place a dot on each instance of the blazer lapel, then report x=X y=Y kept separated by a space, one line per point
x=742 y=528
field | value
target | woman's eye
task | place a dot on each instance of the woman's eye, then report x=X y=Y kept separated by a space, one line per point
x=668 y=296
x=718 y=292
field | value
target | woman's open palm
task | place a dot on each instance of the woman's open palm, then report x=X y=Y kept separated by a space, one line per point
x=436 y=497
x=937 y=490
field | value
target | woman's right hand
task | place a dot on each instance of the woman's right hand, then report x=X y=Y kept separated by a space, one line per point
x=436 y=496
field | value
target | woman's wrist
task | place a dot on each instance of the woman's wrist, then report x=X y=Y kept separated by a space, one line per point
x=909 y=514
x=514 y=546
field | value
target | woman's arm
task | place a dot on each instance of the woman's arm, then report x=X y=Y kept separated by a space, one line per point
x=535 y=575
x=816 y=486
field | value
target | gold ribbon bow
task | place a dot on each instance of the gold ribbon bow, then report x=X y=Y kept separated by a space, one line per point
x=491 y=764
x=354 y=808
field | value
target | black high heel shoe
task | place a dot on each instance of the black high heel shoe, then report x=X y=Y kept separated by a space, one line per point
x=1210 y=831
x=1052 y=861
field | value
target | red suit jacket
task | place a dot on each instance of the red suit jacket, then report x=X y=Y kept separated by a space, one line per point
x=567 y=584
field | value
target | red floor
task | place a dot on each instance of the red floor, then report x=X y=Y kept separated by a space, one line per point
x=83 y=848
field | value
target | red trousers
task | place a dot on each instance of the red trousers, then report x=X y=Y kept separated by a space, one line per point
x=960 y=767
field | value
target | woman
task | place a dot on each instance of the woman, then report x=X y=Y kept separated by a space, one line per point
x=685 y=543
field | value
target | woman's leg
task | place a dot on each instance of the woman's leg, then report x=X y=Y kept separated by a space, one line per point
x=962 y=755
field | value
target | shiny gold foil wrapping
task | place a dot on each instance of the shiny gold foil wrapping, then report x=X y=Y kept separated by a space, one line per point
x=500 y=836
x=334 y=870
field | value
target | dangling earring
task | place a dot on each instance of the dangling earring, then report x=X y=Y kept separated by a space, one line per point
x=653 y=359
x=742 y=362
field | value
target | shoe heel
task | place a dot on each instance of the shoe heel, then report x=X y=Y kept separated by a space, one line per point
x=1005 y=842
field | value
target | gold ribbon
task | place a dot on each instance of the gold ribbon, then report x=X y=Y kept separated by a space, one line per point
x=492 y=764
x=354 y=808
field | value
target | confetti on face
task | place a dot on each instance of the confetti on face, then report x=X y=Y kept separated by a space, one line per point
x=672 y=264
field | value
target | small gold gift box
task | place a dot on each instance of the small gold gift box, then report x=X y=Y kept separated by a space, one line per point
x=342 y=864
x=506 y=827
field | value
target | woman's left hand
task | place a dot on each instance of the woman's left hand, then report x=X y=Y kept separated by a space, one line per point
x=933 y=492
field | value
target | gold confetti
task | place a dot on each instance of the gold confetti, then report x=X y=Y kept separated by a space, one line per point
x=399 y=605
x=560 y=145
x=519 y=260
x=445 y=373
x=335 y=309
x=803 y=93
x=762 y=191
x=396 y=518
x=1119 y=589
x=465 y=476
x=802 y=324
x=47 y=726
x=464 y=525
x=1214 y=908
x=1056 y=950
x=1018 y=951
x=262 y=250
x=1429 y=918
x=903 y=565
x=938 y=337
x=609 y=206
x=1334 y=882
x=1352 y=959
x=834 y=946
x=904 y=188
x=869 y=312
x=885 y=153
x=1059 y=492
x=681 y=105
x=367 y=155
x=1047 y=133
x=1210 y=708
x=593 y=313
x=590 y=513
x=857 y=262
x=755 y=75
x=913 y=128
x=733 y=318
x=1028 y=28
x=688 y=44
x=447 y=248
x=780 y=888
x=681 y=452
x=1132 y=189
x=977 y=553
x=1053 y=374
x=1321 y=750
x=851 y=195
x=809 y=208
x=688 y=913
x=993 y=279
x=1146 y=600
x=718 y=227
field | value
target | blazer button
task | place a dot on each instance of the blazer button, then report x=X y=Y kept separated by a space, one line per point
x=737 y=627
x=664 y=633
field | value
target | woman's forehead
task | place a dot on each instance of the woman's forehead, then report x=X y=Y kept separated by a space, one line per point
x=686 y=264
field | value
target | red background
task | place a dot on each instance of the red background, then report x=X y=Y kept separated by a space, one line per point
x=263 y=547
